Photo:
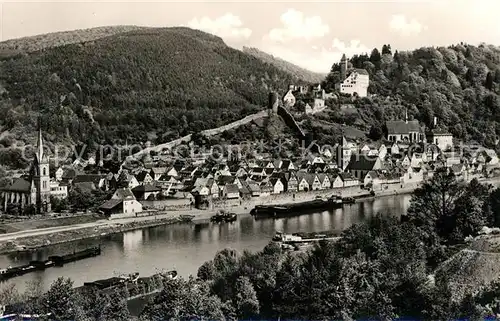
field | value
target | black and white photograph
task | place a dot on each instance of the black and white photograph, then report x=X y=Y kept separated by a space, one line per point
x=249 y=160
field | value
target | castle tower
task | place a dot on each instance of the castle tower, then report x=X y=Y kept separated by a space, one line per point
x=41 y=177
x=343 y=154
x=343 y=68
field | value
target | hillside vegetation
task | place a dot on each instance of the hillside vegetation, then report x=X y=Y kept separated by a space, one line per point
x=49 y=40
x=151 y=84
x=286 y=66
x=459 y=84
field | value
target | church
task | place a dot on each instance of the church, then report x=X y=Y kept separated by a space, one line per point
x=31 y=189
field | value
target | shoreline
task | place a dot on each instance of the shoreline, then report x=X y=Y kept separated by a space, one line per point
x=39 y=238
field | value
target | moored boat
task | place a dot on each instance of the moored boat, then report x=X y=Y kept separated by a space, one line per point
x=298 y=208
x=223 y=217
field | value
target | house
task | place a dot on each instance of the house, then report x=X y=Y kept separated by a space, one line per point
x=99 y=181
x=212 y=188
x=58 y=190
x=289 y=99
x=325 y=181
x=337 y=181
x=441 y=138
x=287 y=165
x=413 y=175
x=344 y=151
x=312 y=159
x=231 y=191
x=144 y=178
x=405 y=131
x=266 y=188
x=303 y=184
x=277 y=184
x=349 y=180
x=258 y=171
x=292 y=183
x=360 y=165
x=254 y=189
x=122 y=204
x=356 y=82
x=59 y=174
x=313 y=181
x=146 y=192
x=241 y=172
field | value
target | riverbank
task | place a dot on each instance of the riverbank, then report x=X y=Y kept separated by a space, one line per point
x=64 y=234
x=40 y=237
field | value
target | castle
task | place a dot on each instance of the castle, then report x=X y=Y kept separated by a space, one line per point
x=32 y=189
x=353 y=80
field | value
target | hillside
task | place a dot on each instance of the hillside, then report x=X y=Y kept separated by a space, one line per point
x=286 y=66
x=49 y=40
x=459 y=84
x=151 y=84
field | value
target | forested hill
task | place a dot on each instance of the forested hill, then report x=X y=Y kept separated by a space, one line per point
x=148 y=84
x=459 y=84
x=286 y=66
x=49 y=40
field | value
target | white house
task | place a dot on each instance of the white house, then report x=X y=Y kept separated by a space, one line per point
x=122 y=204
x=231 y=191
x=442 y=139
x=303 y=185
x=337 y=181
x=356 y=82
x=59 y=174
x=278 y=186
x=325 y=181
x=349 y=180
x=57 y=190
x=289 y=99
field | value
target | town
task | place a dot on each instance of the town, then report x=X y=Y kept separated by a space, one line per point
x=153 y=182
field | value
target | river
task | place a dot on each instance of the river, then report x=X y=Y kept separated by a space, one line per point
x=184 y=247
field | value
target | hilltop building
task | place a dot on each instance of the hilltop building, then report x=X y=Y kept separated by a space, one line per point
x=353 y=81
x=441 y=138
x=32 y=189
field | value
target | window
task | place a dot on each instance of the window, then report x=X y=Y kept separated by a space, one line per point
x=44 y=184
x=44 y=171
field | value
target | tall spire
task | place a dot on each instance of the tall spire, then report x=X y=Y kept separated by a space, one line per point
x=39 y=144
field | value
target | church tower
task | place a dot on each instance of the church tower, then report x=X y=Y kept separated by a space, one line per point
x=343 y=68
x=41 y=177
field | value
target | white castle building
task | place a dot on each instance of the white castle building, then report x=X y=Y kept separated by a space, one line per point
x=353 y=80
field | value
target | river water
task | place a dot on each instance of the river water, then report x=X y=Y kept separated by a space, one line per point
x=184 y=247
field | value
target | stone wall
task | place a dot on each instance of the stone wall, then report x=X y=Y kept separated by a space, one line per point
x=169 y=204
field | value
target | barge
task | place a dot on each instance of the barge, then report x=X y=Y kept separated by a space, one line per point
x=297 y=208
x=300 y=238
x=32 y=266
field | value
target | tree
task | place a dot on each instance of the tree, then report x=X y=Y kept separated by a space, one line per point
x=116 y=309
x=246 y=303
x=375 y=58
x=489 y=81
x=375 y=132
x=386 y=50
x=61 y=301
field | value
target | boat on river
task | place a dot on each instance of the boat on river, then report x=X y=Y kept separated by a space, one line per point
x=58 y=260
x=298 y=208
x=298 y=238
x=223 y=217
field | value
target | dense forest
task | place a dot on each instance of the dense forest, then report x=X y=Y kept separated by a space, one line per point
x=459 y=84
x=148 y=84
x=382 y=269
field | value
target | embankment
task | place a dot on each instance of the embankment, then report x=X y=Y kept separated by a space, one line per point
x=38 y=241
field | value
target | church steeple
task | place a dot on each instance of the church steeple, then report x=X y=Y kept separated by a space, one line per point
x=39 y=143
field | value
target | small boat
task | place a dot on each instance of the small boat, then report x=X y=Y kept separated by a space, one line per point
x=223 y=217
x=348 y=200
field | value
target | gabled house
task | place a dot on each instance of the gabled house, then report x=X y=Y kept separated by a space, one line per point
x=122 y=204
x=312 y=159
x=325 y=181
x=313 y=181
x=99 y=181
x=254 y=189
x=303 y=184
x=258 y=171
x=277 y=184
x=349 y=180
x=231 y=191
x=287 y=165
x=266 y=188
x=157 y=172
x=241 y=172
x=146 y=192
x=59 y=174
x=144 y=178
x=292 y=183
x=336 y=181
x=360 y=165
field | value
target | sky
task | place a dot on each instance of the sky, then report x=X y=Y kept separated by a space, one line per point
x=311 y=34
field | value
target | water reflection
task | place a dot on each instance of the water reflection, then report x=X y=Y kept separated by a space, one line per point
x=186 y=246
